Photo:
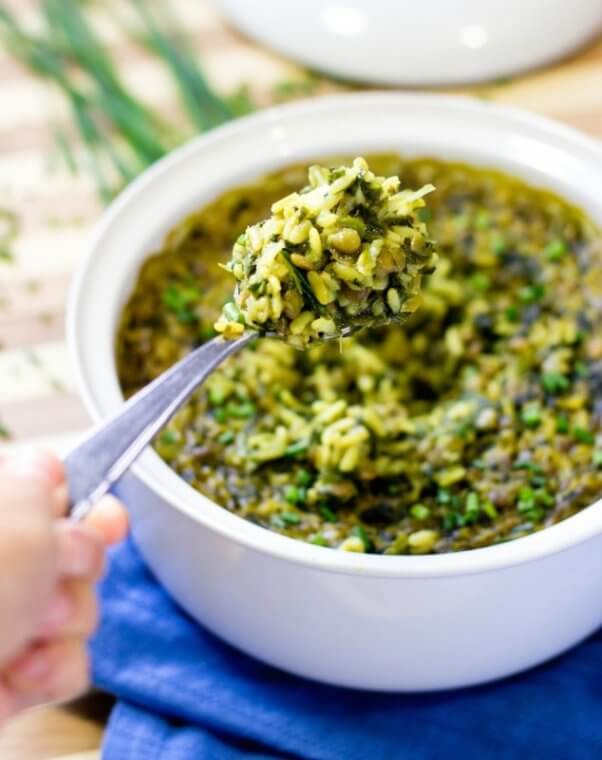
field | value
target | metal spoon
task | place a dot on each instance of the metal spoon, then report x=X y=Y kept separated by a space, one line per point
x=105 y=455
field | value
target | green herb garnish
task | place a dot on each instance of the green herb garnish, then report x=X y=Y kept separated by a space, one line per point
x=420 y=511
x=299 y=447
x=169 y=437
x=582 y=435
x=555 y=250
x=531 y=415
x=360 y=532
x=327 y=513
x=531 y=293
x=555 y=382
x=290 y=518
x=562 y=423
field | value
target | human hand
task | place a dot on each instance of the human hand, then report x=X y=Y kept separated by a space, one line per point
x=49 y=567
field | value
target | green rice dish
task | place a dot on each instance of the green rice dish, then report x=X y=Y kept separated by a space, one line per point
x=345 y=252
x=477 y=421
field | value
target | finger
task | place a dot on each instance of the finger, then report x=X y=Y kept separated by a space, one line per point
x=50 y=672
x=35 y=479
x=81 y=551
x=61 y=500
x=73 y=611
x=110 y=519
x=38 y=465
x=29 y=556
x=8 y=704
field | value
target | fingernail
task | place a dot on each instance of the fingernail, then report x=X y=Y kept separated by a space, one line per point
x=34 y=667
x=57 y=613
x=29 y=463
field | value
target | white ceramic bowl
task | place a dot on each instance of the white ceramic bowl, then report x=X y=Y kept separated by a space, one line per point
x=408 y=42
x=375 y=622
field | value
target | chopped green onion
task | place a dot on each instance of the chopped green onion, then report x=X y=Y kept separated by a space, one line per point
x=232 y=313
x=498 y=245
x=241 y=411
x=357 y=224
x=180 y=300
x=359 y=531
x=216 y=395
x=489 y=509
x=555 y=382
x=531 y=415
x=318 y=540
x=226 y=438
x=531 y=293
x=555 y=250
x=290 y=518
x=420 y=512
x=562 y=423
x=583 y=435
x=295 y=495
x=535 y=514
x=327 y=513
x=304 y=478
x=526 y=499
x=299 y=447
x=544 y=498
x=443 y=496
x=527 y=464
x=472 y=503
x=482 y=220
x=597 y=458
x=169 y=437
x=512 y=313
x=480 y=281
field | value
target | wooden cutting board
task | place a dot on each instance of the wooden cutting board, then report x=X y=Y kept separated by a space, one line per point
x=56 y=210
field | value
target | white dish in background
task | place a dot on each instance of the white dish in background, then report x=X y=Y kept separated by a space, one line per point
x=408 y=42
x=374 y=622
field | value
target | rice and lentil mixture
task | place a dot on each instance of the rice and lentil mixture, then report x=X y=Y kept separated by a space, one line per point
x=476 y=422
x=345 y=252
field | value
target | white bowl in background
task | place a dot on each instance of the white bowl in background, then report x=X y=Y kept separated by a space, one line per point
x=374 y=622
x=405 y=42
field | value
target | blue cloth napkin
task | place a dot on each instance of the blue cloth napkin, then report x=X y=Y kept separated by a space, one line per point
x=184 y=695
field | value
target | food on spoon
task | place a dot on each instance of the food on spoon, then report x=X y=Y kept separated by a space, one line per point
x=347 y=251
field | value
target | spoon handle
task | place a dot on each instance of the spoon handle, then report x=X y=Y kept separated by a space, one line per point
x=105 y=455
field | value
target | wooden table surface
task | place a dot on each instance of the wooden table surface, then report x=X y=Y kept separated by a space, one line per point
x=38 y=403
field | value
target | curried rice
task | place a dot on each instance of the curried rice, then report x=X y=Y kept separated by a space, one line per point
x=345 y=252
x=476 y=422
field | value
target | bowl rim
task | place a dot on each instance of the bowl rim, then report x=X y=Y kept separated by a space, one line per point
x=165 y=483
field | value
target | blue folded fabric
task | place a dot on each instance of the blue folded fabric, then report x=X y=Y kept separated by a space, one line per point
x=184 y=695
